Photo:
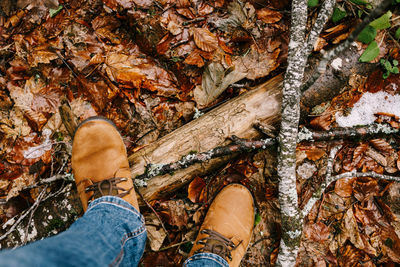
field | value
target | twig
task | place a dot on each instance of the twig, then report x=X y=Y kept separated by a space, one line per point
x=365 y=174
x=174 y=245
x=35 y=206
x=323 y=16
x=341 y=133
x=328 y=179
x=193 y=21
x=63 y=60
x=342 y=47
x=155 y=213
x=178 y=44
x=52 y=179
x=243 y=146
x=23 y=215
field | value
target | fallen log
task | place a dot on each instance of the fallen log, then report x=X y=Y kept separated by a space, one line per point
x=235 y=117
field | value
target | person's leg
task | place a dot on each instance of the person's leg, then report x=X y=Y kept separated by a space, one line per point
x=112 y=230
x=111 y=233
x=226 y=230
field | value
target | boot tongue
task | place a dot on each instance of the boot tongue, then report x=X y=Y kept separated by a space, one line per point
x=217 y=244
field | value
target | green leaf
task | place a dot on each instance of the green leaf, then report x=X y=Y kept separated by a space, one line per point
x=397 y=34
x=54 y=12
x=338 y=14
x=386 y=64
x=312 y=3
x=383 y=22
x=386 y=75
x=359 y=2
x=370 y=53
x=367 y=35
x=257 y=219
x=395 y=62
x=395 y=70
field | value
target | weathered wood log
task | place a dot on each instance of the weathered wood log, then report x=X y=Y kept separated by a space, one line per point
x=235 y=117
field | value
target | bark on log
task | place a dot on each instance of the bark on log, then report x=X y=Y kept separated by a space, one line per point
x=235 y=117
x=329 y=85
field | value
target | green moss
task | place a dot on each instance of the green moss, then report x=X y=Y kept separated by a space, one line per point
x=55 y=224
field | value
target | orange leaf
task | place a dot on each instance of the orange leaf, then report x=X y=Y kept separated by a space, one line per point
x=322 y=122
x=194 y=59
x=195 y=188
x=224 y=47
x=315 y=153
x=381 y=145
x=269 y=16
x=359 y=151
x=205 y=40
x=317 y=232
x=344 y=187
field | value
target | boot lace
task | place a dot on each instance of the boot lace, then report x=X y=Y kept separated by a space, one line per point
x=108 y=187
x=217 y=244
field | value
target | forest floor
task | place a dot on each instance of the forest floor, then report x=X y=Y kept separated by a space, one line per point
x=153 y=66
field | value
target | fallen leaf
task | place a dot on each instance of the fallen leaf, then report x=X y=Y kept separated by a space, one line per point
x=195 y=188
x=376 y=156
x=315 y=153
x=174 y=213
x=381 y=145
x=268 y=15
x=194 y=59
x=155 y=232
x=344 y=187
x=204 y=39
x=317 y=232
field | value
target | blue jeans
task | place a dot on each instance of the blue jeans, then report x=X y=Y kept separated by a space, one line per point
x=110 y=233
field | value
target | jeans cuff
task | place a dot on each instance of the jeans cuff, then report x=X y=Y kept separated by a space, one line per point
x=219 y=261
x=115 y=201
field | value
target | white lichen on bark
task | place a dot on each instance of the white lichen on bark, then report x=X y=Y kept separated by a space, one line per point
x=299 y=50
x=291 y=219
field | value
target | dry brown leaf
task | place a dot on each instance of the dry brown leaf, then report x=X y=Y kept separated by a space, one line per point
x=204 y=8
x=381 y=145
x=268 y=15
x=351 y=256
x=365 y=188
x=322 y=122
x=376 y=156
x=186 y=12
x=319 y=44
x=204 y=39
x=317 y=232
x=344 y=187
x=194 y=59
x=155 y=232
x=174 y=213
x=315 y=153
x=358 y=152
x=195 y=188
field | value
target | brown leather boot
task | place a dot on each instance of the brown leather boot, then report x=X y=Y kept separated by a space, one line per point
x=100 y=163
x=228 y=226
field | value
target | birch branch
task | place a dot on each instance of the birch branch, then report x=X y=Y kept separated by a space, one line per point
x=239 y=145
x=323 y=16
x=292 y=222
x=328 y=179
x=365 y=174
x=341 y=133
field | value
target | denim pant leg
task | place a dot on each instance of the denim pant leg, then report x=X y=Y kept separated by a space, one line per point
x=111 y=232
x=205 y=259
